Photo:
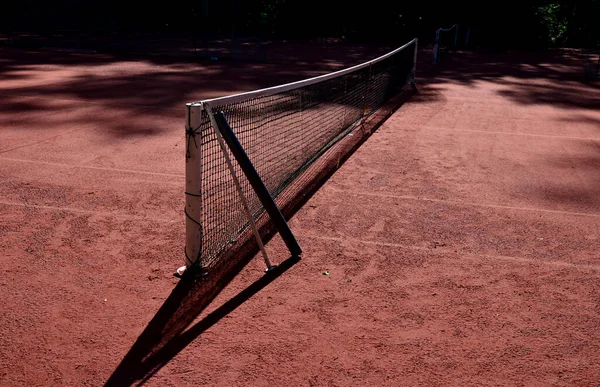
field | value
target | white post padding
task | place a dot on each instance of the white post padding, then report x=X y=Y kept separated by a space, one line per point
x=193 y=185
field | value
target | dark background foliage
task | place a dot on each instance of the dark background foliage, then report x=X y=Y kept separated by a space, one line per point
x=507 y=24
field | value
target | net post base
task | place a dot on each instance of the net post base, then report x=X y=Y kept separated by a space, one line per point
x=196 y=272
x=179 y=272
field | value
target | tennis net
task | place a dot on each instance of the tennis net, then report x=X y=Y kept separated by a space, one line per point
x=283 y=130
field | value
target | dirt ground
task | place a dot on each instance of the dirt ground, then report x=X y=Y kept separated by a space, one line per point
x=457 y=246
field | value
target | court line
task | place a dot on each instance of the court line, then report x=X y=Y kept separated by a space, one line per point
x=442 y=251
x=498 y=101
x=41 y=96
x=59 y=135
x=406 y=197
x=511 y=133
x=40 y=141
x=91 y=212
x=94 y=168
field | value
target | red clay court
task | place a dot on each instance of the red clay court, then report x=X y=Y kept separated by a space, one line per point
x=457 y=246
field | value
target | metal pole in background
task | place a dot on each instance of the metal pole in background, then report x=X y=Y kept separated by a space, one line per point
x=456 y=37
x=414 y=69
x=436 y=47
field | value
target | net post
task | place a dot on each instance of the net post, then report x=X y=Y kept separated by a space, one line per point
x=193 y=187
x=436 y=47
x=456 y=36
x=414 y=68
x=257 y=184
x=368 y=91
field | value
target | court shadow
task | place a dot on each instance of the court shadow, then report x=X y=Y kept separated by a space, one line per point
x=165 y=336
x=552 y=77
x=125 y=98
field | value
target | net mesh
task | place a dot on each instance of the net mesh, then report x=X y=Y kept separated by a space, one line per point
x=283 y=133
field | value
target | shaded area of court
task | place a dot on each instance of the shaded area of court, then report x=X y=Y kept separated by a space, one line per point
x=457 y=245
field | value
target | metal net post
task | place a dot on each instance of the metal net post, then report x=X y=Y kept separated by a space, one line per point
x=193 y=187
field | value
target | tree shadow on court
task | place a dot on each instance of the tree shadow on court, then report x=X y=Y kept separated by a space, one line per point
x=124 y=96
x=574 y=118
x=143 y=91
x=582 y=193
x=554 y=77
